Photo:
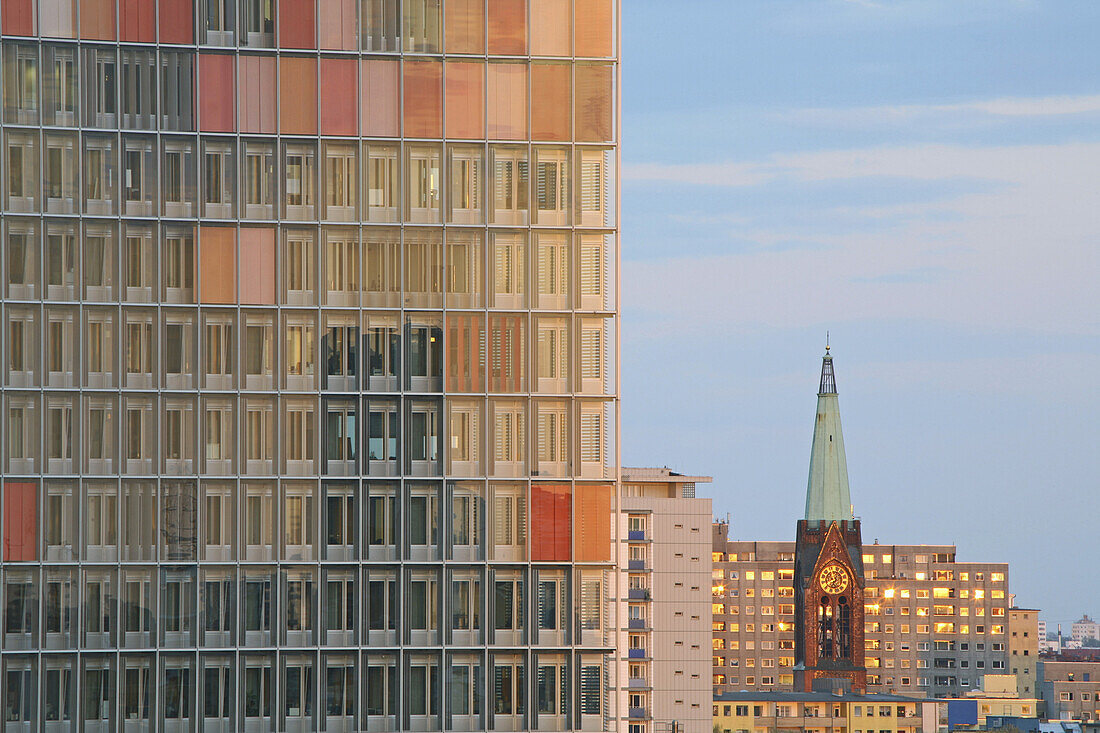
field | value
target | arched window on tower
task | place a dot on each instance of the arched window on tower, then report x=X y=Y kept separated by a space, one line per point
x=825 y=629
x=844 y=628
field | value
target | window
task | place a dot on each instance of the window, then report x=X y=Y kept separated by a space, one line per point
x=466 y=182
x=383 y=177
x=219 y=169
x=21 y=84
x=509 y=521
x=259 y=185
x=552 y=186
x=60 y=178
x=341 y=174
x=298 y=273
x=178 y=178
x=420 y=24
x=299 y=353
x=509 y=438
x=594 y=187
x=176 y=95
x=138 y=89
x=510 y=185
x=382 y=284
x=342 y=268
x=217 y=20
x=178 y=265
x=299 y=162
x=258 y=23
x=423 y=194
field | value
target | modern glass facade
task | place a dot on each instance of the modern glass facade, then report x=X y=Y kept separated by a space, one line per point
x=309 y=364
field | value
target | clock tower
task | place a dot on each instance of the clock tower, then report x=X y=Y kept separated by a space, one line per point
x=828 y=561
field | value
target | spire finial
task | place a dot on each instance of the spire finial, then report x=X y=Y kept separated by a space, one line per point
x=826 y=342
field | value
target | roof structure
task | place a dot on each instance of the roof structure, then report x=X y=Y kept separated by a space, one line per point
x=827 y=495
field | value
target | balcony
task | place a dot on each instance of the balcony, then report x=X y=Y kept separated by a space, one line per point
x=635 y=535
x=636 y=623
x=638 y=594
x=636 y=654
x=638 y=683
x=636 y=713
x=635 y=565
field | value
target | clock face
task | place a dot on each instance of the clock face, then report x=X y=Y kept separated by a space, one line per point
x=833 y=579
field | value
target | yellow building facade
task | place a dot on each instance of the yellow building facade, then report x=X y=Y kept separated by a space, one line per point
x=819 y=712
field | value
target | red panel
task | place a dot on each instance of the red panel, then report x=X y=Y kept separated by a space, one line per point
x=257 y=92
x=378 y=98
x=17 y=17
x=97 y=19
x=257 y=265
x=297 y=24
x=137 y=21
x=508 y=27
x=176 y=25
x=506 y=364
x=595 y=27
x=216 y=93
x=338 y=103
x=551 y=533
x=423 y=110
x=339 y=25
x=20 y=522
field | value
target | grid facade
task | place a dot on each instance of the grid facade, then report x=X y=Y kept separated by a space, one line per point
x=309 y=338
x=932 y=625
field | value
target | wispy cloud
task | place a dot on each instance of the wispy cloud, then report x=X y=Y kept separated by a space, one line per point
x=997 y=108
x=1020 y=252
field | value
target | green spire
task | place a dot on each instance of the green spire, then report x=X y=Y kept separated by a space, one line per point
x=827 y=496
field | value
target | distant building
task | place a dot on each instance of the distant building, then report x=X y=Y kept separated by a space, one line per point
x=666 y=569
x=1084 y=628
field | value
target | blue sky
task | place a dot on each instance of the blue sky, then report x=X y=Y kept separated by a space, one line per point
x=922 y=180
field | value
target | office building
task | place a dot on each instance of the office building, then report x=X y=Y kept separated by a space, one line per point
x=309 y=346
x=930 y=625
x=665 y=560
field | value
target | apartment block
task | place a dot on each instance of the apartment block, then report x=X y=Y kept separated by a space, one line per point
x=308 y=325
x=932 y=625
x=666 y=564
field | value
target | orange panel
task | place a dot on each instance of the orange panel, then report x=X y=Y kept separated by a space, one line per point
x=298 y=92
x=17 y=18
x=378 y=97
x=338 y=107
x=20 y=521
x=137 y=21
x=595 y=28
x=175 y=21
x=464 y=340
x=423 y=110
x=97 y=19
x=257 y=265
x=465 y=99
x=551 y=531
x=550 y=28
x=593 y=522
x=550 y=100
x=297 y=24
x=338 y=25
x=257 y=93
x=508 y=27
x=507 y=101
x=465 y=26
x=593 y=105
x=218 y=265
x=216 y=110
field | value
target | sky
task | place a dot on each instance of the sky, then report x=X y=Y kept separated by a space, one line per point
x=919 y=179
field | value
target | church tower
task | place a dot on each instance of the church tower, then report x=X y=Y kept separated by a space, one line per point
x=828 y=562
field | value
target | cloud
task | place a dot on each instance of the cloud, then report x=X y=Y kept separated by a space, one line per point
x=996 y=108
x=1021 y=253
x=917 y=162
